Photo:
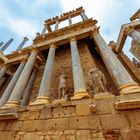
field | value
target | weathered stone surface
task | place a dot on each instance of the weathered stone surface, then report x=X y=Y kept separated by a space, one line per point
x=83 y=109
x=83 y=135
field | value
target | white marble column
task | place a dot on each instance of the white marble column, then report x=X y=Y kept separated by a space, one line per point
x=119 y=74
x=12 y=84
x=44 y=30
x=135 y=35
x=56 y=25
x=20 y=86
x=25 y=39
x=44 y=91
x=3 y=70
x=27 y=92
x=78 y=77
x=84 y=16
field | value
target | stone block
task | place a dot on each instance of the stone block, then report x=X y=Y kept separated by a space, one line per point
x=83 y=109
x=29 y=136
x=71 y=137
x=33 y=125
x=68 y=111
x=5 y=135
x=134 y=118
x=3 y=125
x=46 y=113
x=57 y=112
x=34 y=115
x=57 y=124
x=16 y=125
x=24 y=115
x=114 y=121
x=85 y=122
x=83 y=135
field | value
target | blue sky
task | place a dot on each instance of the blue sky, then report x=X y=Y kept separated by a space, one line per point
x=25 y=18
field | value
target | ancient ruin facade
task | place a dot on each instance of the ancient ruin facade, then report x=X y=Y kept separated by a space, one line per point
x=70 y=84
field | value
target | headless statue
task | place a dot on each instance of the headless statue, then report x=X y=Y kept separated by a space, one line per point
x=98 y=80
x=62 y=87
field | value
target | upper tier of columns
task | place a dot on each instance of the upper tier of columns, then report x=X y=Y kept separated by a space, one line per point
x=121 y=77
x=20 y=86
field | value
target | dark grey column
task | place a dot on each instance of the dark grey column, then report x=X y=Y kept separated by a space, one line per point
x=12 y=84
x=3 y=70
x=44 y=91
x=4 y=47
x=1 y=43
x=56 y=25
x=84 y=16
x=22 y=43
x=2 y=81
x=44 y=30
x=78 y=77
x=119 y=74
x=20 y=86
x=135 y=35
x=28 y=89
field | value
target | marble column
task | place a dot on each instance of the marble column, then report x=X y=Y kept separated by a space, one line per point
x=135 y=35
x=78 y=77
x=12 y=84
x=2 y=81
x=56 y=25
x=70 y=21
x=119 y=74
x=4 y=47
x=84 y=16
x=1 y=43
x=25 y=39
x=44 y=91
x=20 y=86
x=44 y=30
x=3 y=70
x=27 y=92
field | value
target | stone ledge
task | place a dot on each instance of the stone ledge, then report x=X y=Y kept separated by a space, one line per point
x=126 y=105
x=9 y=116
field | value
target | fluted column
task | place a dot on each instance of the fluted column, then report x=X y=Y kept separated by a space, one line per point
x=70 y=21
x=27 y=92
x=3 y=70
x=25 y=39
x=12 y=84
x=135 y=35
x=56 y=25
x=1 y=43
x=20 y=86
x=44 y=91
x=84 y=16
x=119 y=74
x=78 y=77
x=44 y=30
x=4 y=47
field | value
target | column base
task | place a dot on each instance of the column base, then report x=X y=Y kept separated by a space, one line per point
x=58 y=101
x=129 y=88
x=41 y=100
x=11 y=104
x=80 y=95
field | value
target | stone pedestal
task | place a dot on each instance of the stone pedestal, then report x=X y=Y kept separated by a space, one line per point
x=20 y=86
x=78 y=78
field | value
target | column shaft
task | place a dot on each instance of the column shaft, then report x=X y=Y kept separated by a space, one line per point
x=44 y=30
x=22 y=43
x=1 y=43
x=4 y=47
x=3 y=71
x=2 y=81
x=83 y=15
x=120 y=76
x=78 y=77
x=20 y=86
x=43 y=96
x=12 y=84
x=135 y=35
x=70 y=21
x=28 y=89
x=56 y=25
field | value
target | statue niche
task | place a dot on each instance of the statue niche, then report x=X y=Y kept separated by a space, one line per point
x=62 y=87
x=98 y=80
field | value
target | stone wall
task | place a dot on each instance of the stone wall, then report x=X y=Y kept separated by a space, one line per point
x=73 y=120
